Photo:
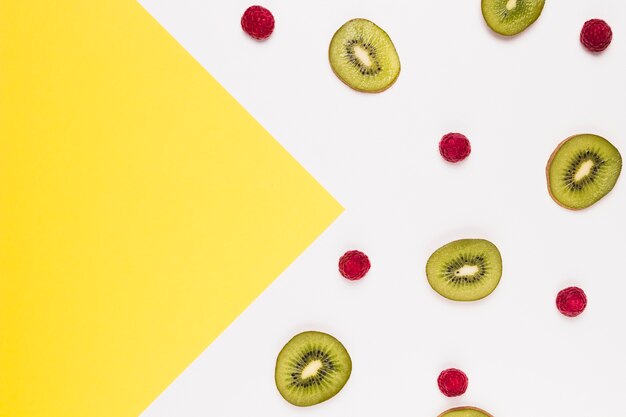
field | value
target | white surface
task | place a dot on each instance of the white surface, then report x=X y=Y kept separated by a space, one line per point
x=516 y=100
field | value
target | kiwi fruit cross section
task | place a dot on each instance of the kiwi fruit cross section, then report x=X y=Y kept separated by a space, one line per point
x=582 y=170
x=510 y=17
x=465 y=270
x=465 y=412
x=312 y=367
x=363 y=56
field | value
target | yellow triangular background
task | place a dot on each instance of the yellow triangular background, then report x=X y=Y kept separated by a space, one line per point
x=141 y=209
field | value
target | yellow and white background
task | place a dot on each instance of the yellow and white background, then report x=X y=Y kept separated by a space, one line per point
x=174 y=198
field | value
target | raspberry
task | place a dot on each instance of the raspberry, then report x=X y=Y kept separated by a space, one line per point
x=454 y=147
x=596 y=35
x=452 y=382
x=571 y=301
x=354 y=265
x=257 y=22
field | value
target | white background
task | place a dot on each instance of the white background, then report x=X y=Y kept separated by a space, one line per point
x=515 y=99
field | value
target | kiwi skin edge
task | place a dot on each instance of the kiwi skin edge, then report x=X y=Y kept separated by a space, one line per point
x=465 y=408
x=357 y=89
x=548 y=171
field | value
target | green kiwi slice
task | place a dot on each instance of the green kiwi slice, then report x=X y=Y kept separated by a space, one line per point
x=312 y=368
x=581 y=170
x=465 y=270
x=363 y=56
x=510 y=17
x=465 y=412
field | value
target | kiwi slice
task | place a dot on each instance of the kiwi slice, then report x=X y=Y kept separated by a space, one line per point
x=312 y=368
x=465 y=270
x=582 y=170
x=510 y=17
x=465 y=412
x=363 y=56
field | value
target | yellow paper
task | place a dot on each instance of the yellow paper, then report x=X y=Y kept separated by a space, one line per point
x=141 y=209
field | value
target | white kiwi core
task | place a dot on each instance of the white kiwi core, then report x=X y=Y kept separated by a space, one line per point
x=311 y=369
x=467 y=270
x=510 y=5
x=583 y=170
x=363 y=56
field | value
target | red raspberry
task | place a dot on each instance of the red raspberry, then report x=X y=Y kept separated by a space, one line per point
x=571 y=301
x=596 y=35
x=258 y=22
x=452 y=382
x=454 y=147
x=354 y=265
